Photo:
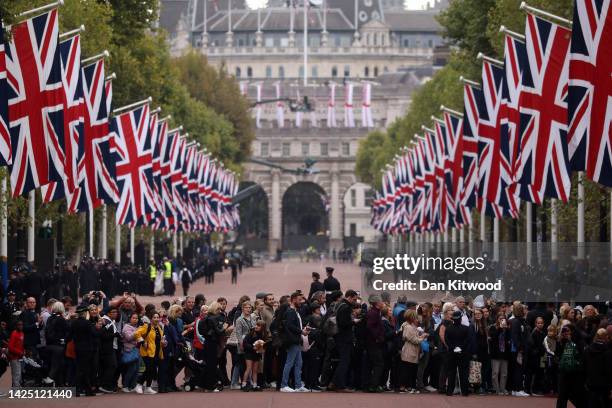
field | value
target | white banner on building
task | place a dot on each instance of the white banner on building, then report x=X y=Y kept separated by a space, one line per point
x=349 y=118
x=331 y=106
x=366 y=102
x=280 y=108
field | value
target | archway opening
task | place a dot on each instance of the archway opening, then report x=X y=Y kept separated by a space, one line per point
x=253 y=230
x=305 y=217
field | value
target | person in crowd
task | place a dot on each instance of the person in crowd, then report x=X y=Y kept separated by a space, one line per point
x=598 y=369
x=293 y=331
x=411 y=348
x=109 y=345
x=185 y=278
x=84 y=332
x=375 y=342
x=571 y=368
x=213 y=330
x=499 y=348
x=316 y=284
x=551 y=360
x=343 y=340
x=56 y=331
x=130 y=356
x=535 y=352
x=253 y=346
x=16 y=351
x=456 y=337
x=519 y=334
x=32 y=323
x=151 y=339
x=330 y=283
x=480 y=347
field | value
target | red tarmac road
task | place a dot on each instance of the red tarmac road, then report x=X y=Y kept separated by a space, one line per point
x=278 y=278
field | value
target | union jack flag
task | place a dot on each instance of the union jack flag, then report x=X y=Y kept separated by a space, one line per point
x=543 y=169
x=36 y=102
x=469 y=193
x=96 y=168
x=494 y=166
x=590 y=90
x=5 y=136
x=74 y=111
x=133 y=166
x=159 y=131
x=445 y=205
x=168 y=145
x=453 y=170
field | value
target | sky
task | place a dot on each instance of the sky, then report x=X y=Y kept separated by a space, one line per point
x=410 y=4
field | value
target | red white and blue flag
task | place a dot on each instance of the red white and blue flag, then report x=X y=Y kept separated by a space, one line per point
x=5 y=136
x=36 y=103
x=590 y=90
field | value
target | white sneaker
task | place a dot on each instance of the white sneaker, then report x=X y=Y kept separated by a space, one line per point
x=150 y=391
x=430 y=388
x=273 y=384
x=138 y=389
x=302 y=389
x=126 y=389
x=47 y=380
x=521 y=394
x=105 y=391
x=287 y=389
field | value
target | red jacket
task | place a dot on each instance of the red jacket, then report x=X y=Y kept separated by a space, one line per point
x=15 y=345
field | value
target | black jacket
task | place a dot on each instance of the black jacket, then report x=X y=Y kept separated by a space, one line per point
x=212 y=327
x=598 y=357
x=84 y=334
x=31 y=331
x=315 y=286
x=519 y=332
x=344 y=321
x=330 y=284
x=457 y=335
x=293 y=329
x=56 y=330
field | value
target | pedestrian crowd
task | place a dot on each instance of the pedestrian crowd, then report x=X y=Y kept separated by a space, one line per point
x=327 y=339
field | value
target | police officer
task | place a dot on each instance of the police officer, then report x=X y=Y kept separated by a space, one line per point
x=168 y=284
x=152 y=276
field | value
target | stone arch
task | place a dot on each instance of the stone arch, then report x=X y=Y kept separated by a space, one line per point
x=305 y=216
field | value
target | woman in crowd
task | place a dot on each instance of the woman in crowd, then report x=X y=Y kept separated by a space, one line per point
x=244 y=323
x=130 y=356
x=253 y=346
x=480 y=347
x=499 y=347
x=457 y=341
x=213 y=329
x=56 y=331
x=443 y=354
x=151 y=339
x=16 y=351
x=410 y=351
x=519 y=333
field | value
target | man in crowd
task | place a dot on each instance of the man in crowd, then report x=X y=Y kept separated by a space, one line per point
x=330 y=283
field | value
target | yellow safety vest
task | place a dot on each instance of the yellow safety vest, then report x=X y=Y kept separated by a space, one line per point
x=168 y=271
x=152 y=272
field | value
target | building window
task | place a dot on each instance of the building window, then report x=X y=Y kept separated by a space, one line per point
x=369 y=198
x=346 y=149
x=324 y=149
x=366 y=72
x=286 y=149
x=269 y=42
x=347 y=71
x=353 y=231
x=250 y=72
x=314 y=71
x=264 y=149
x=301 y=72
x=375 y=71
x=238 y=72
x=284 y=42
x=353 y=198
x=305 y=149
x=334 y=73
x=268 y=71
x=281 y=72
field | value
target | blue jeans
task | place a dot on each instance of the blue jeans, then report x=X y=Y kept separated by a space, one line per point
x=130 y=374
x=294 y=360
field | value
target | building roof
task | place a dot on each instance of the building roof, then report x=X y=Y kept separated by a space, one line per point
x=412 y=21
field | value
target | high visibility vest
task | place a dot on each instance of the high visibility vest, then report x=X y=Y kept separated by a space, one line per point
x=168 y=271
x=152 y=272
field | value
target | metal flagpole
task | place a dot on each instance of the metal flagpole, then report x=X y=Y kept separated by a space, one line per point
x=90 y=235
x=42 y=8
x=4 y=236
x=132 y=245
x=152 y=246
x=528 y=229
x=174 y=245
x=305 y=42
x=117 y=244
x=580 y=236
x=103 y=238
x=31 y=224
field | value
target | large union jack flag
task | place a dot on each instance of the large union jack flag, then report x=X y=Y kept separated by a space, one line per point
x=36 y=102
x=590 y=90
x=74 y=110
x=469 y=196
x=133 y=166
x=543 y=168
x=5 y=136
x=493 y=165
x=453 y=170
x=168 y=145
x=96 y=168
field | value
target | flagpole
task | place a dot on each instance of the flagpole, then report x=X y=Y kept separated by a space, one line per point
x=132 y=105
x=103 y=54
x=553 y=228
x=42 y=8
x=132 y=245
x=174 y=245
x=31 y=224
x=103 y=238
x=90 y=235
x=4 y=235
x=525 y=6
x=152 y=245
x=528 y=229
x=580 y=232
x=117 y=243
x=72 y=32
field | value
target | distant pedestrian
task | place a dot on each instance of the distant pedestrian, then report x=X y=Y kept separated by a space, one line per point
x=185 y=278
x=330 y=283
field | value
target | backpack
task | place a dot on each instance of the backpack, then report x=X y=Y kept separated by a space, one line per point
x=185 y=277
x=330 y=325
x=570 y=359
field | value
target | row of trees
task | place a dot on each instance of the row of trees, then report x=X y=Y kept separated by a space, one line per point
x=472 y=26
x=205 y=100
